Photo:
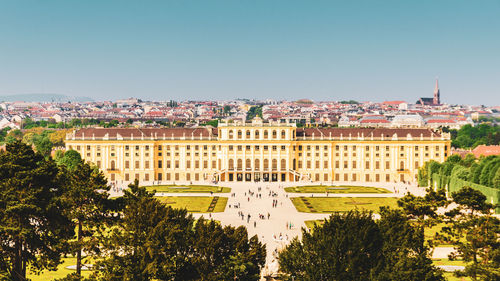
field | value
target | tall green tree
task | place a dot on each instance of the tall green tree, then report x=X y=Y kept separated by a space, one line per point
x=87 y=195
x=156 y=242
x=475 y=234
x=346 y=247
x=422 y=209
x=33 y=222
x=406 y=257
x=226 y=253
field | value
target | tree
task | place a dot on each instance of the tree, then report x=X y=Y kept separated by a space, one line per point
x=57 y=137
x=70 y=159
x=353 y=246
x=475 y=234
x=226 y=253
x=405 y=255
x=422 y=210
x=33 y=221
x=346 y=247
x=87 y=195
x=156 y=242
x=43 y=144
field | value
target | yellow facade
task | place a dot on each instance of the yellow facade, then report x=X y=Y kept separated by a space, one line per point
x=259 y=151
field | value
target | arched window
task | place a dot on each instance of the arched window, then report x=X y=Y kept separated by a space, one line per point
x=283 y=164
x=239 y=134
x=283 y=134
x=257 y=164
x=266 y=134
x=275 y=135
x=275 y=164
x=240 y=164
x=231 y=134
x=257 y=134
x=266 y=164
x=231 y=164
x=248 y=164
x=247 y=134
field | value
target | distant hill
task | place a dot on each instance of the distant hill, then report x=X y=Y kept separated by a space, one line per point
x=43 y=98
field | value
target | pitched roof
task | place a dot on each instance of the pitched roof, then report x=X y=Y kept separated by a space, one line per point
x=486 y=150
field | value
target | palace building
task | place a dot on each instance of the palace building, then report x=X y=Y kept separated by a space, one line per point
x=259 y=151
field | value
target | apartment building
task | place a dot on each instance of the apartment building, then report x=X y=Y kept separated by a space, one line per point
x=259 y=151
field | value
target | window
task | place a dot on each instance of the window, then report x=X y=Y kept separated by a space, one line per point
x=367 y=165
x=247 y=134
x=188 y=164
x=275 y=135
x=337 y=165
x=377 y=165
x=266 y=134
x=230 y=148
x=231 y=135
x=257 y=134
x=387 y=165
x=354 y=164
x=137 y=164
x=127 y=164
x=345 y=164
x=159 y=164
x=240 y=134
x=146 y=164
x=283 y=134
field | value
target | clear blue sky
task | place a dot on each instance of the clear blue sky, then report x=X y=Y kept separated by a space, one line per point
x=207 y=49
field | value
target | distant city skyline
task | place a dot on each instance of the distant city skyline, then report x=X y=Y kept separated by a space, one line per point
x=219 y=50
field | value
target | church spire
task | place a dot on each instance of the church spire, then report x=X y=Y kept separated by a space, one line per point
x=436 y=100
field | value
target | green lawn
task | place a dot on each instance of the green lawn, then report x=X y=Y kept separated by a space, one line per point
x=450 y=277
x=195 y=204
x=341 y=204
x=335 y=189
x=61 y=271
x=310 y=224
x=189 y=188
